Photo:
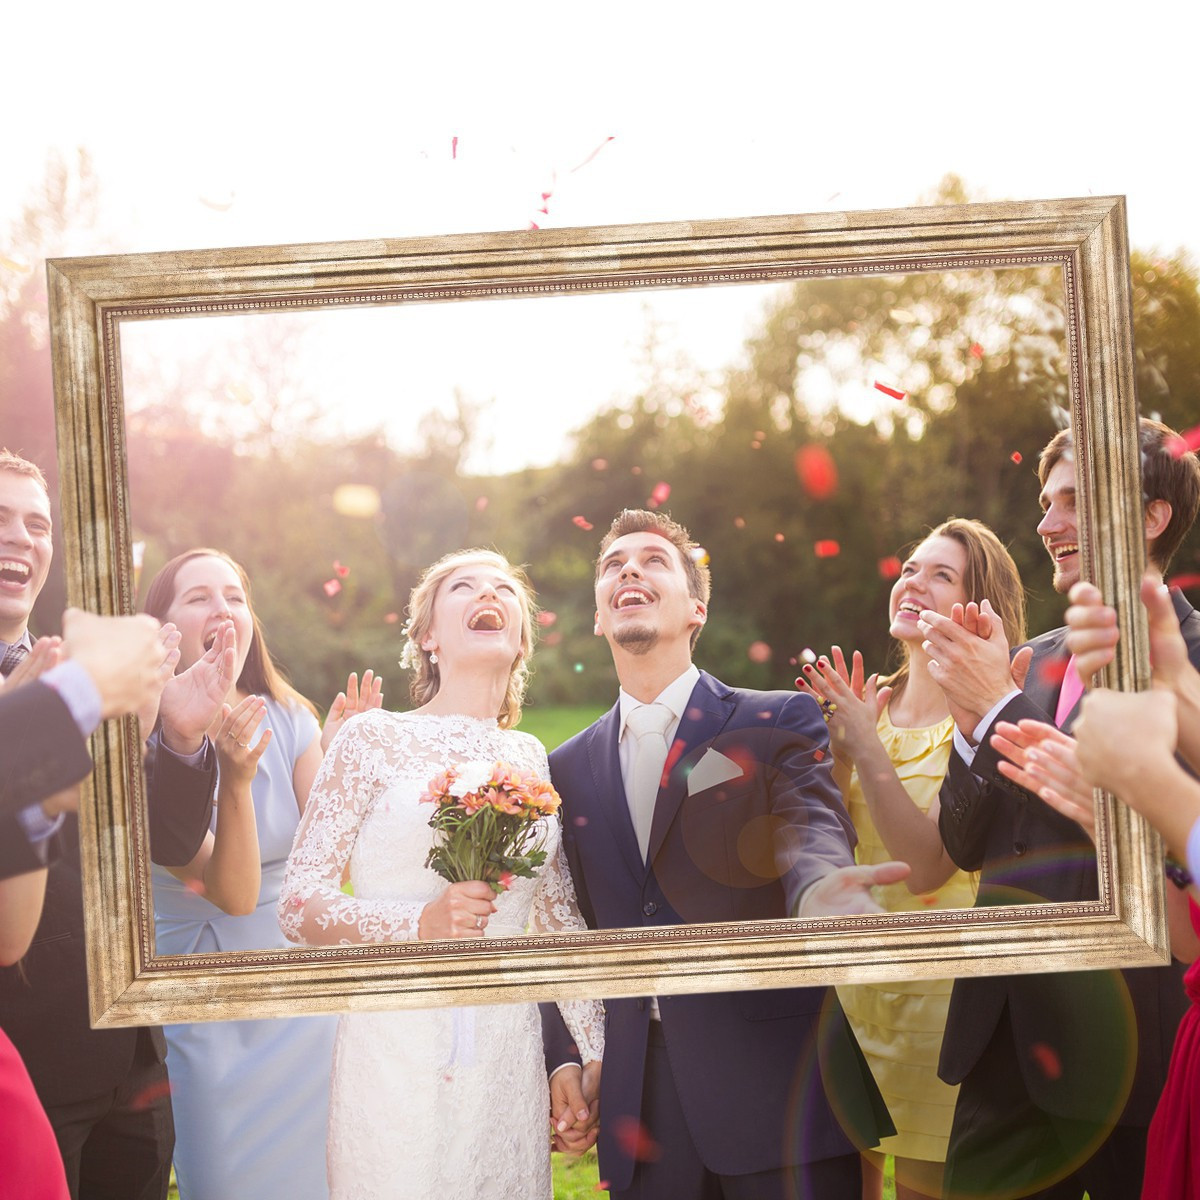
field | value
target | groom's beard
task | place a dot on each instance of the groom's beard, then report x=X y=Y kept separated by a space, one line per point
x=636 y=639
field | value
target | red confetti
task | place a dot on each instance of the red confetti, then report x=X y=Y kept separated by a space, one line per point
x=819 y=755
x=391 y=618
x=758 y=652
x=1047 y=1060
x=601 y=1185
x=481 y=503
x=1052 y=671
x=1184 y=582
x=895 y=393
x=1187 y=441
x=454 y=147
x=593 y=153
x=534 y=225
x=779 y=537
x=976 y=350
x=546 y=619
x=583 y=523
x=332 y=587
x=546 y=196
x=929 y=901
x=635 y=1140
x=340 y=571
x=739 y=522
x=148 y=1095
x=659 y=495
x=827 y=548
x=599 y=464
x=635 y=470
x=816 y=471
x=1016 y=457
x=890 y=568
x=552 y=639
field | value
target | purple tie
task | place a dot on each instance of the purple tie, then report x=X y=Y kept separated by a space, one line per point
x=12 y=656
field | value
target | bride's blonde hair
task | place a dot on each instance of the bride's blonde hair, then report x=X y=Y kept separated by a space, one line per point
x=426 y=678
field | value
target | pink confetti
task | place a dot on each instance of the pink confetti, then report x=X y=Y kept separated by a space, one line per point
x=635 y=1140
x=332 y=587
x=760 y=435
x=454 y=147
x=1016 y=456
x=1187 y=441
x=756 y=444
x=816 y=471
x=1184 y=582
x=148 y=1095
x=758 y=652
x=976 y=350
x=583 y=523
x=1052 y=671
x=601 y=1185
x=552 y=639
x=599 y=464
x=739 y=522
x=889 y=568
x=1047 y=1060
x=593 y=154
x=819 y=755
x=546 y=618
x=534 y=225
x=581 y=821
x=391 y=618
x=481 y=503
x=779 y=537
x=929 y=901
x=340 y=571
x=827 y=548
x=659 y=495
x=635 y=470
x=895 y=393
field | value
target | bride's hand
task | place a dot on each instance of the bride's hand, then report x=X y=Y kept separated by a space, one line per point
x=461 y=911
x=575 y=1108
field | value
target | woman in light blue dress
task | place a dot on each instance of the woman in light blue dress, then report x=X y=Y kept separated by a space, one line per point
x=250 y=1098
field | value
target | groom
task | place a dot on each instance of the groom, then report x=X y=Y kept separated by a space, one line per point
x=725 y=810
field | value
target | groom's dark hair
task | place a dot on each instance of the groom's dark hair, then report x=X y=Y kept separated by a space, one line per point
x=693 y=556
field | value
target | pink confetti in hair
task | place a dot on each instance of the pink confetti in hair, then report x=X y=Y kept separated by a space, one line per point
x=593 y=154
x=890 y=567
x=583 y=523
x=816 y=471
x=758 y=652
x=659 y=496
x=1186 y=442
x=332 y=587
x=976 y=350
x=1047 y=1060
x=1016 y=456
x=895 y=393
x=546 y=618
x=454 y=147
x=827 y=548
x=340 y=571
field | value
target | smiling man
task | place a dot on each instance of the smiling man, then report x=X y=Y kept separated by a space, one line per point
x=1060 y=1073
x=689 y=802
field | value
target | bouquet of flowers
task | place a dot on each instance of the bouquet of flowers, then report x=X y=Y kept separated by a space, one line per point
x=487 y=818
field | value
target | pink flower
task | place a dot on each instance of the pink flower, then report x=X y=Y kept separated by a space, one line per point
x=506 y=879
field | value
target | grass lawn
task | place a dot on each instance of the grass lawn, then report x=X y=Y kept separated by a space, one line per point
x=553 y=724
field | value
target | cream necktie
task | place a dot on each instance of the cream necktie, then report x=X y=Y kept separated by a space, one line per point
x=648 y=724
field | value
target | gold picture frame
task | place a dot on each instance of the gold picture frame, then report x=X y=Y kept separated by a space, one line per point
x=92 y=298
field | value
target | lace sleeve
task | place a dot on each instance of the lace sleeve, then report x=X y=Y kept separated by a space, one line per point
x=556 y=910
x=313 y=909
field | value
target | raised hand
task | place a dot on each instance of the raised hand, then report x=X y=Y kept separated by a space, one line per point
x=191 y=700
x=237 y=759
x=168 y=638
x=461 y=911
x=352 y=701
x=847 y=890
x=1043 y=760
x=851 y=706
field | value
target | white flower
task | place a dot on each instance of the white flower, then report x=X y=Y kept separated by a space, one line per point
x=471 y=777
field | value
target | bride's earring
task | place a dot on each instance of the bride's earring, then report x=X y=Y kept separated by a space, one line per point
x=433 y=657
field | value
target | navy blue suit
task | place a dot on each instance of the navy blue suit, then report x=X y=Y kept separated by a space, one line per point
x=759 y=1074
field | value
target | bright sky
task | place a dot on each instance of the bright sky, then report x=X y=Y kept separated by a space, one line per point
x=244 y=123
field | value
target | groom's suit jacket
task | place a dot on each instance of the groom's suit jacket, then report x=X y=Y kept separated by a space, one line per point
x=760 y=1074
x=1081 y=1038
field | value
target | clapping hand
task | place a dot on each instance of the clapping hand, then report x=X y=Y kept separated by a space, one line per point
x=191 y=701
x=851 y=706
x=352 y=701
x=237 y=759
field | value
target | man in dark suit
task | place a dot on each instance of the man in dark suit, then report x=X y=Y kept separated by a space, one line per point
x=736 y=817
x=1060 y=1073
x=105 y=1091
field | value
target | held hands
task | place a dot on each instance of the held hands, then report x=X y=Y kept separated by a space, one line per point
x=1043 y=760
x=237 y=759
x=461 y=911
x=575 y=1108
x=191 y=701
x=351 y=702
x=851 y=707
x=847 y=890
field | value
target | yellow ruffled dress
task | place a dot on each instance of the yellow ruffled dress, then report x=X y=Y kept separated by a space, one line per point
x=900 y=1025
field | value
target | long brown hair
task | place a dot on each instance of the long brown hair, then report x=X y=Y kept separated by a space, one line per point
x=990 y=574
x=260 y=674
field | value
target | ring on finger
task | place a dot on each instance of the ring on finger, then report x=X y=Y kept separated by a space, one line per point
x=828 y=708
x=478 y=922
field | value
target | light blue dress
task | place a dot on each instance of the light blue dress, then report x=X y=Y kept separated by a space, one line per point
x=251 y=1098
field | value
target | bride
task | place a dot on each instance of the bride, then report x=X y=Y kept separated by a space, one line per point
x=435 y=1103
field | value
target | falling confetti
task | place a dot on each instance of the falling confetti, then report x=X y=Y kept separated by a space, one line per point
x=819 y=755
x=1047 y=1060
x=593 y=154
x=895 y=393
x=1016 y=457
x=481 y=503
x=659 y=496
x=779 y=537
x=580 y=821
x=552 y=639
x=1187 y=441
x=756 y=444
x=583 y=523
x=533 y=225
x=599 y=464
x=739 y=522
x=816 y=471
x=148 y=1095
x=976 y=350
x=1184 y=582
x=758 y=652
x=332 y=587
x=391 y=618
x=699 y=556
x=546 y=618
x=889 y=568
x=340 y=571
x=454 y=147
x=1052 y=671
x=827 y=548
x=635 y=1140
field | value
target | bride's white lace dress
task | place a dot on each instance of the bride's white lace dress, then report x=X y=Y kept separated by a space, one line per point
x=441 y=1103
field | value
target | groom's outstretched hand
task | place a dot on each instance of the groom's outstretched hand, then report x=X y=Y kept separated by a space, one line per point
x=575 y=1107
x=847 y=890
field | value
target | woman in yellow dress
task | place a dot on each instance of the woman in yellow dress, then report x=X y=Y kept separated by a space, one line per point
x=891 y=740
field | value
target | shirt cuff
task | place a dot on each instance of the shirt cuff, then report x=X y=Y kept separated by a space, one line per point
x=77 y=691
x=39 y=827
x=1193 y=850
x=965 y=750
x=561 y=1067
